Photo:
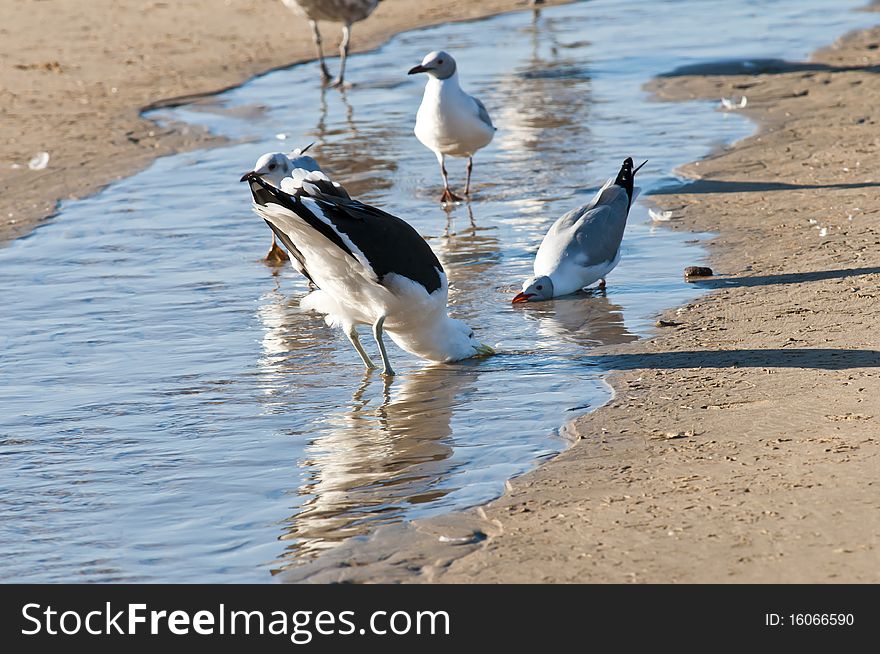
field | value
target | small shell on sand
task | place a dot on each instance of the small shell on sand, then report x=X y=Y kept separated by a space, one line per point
x=736 y=102
x=660 y=216
x=39 y=161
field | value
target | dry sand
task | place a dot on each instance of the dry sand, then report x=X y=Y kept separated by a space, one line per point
x=743 y=442
x=75 y=75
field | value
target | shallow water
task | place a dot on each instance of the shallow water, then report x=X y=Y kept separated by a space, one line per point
x=167 y=413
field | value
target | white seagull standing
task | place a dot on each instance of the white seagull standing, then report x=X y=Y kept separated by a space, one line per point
x=449 y=121
x=335 y=11
x=274 y=167
x=370 y=268
x=583 y=246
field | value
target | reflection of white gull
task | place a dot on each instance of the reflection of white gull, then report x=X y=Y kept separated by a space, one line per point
x=583 y=245
x=449 y=121
x=586 y=320
x=291 y=337
x=335 y=11
x=379 y=457
x=370 y=268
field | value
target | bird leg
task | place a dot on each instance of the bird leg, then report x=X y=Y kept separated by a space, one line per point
x=377 y=334
x=470 y=168
x=316 y=37
x=448 y=196
x=276 y=254
x=343 y=54
x=352 y=334
x=602 y=284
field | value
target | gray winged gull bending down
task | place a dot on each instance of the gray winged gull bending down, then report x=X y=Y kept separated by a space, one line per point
x=275 y=166
x=369 y=267
x=334 y=11
x=583 y=246
x=449 y=121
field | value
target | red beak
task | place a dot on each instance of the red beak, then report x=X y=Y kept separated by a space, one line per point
x=522 y=297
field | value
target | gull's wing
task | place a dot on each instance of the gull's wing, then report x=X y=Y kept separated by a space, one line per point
x=483 y=113
x=381 y=242
x=588 y=235
x=597 y=236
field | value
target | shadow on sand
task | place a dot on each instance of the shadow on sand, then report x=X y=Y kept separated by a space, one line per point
x=762 y=67
x=784 y=278
x=724 y=186
x=819 y=359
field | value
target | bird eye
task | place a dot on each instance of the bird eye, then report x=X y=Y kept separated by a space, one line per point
x=440 y=61
x=272 y=166
x=539 y=287
x=471 y=335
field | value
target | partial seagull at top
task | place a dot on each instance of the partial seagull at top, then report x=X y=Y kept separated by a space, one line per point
x=583 y=246
x=369 y=268
x=334 y=11
x=274 y=167
x=449 y=121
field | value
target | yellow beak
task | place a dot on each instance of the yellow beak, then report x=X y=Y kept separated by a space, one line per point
x=484 y=350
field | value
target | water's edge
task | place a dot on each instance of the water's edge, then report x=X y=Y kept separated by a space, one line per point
x=418 y=551
x=177 y=141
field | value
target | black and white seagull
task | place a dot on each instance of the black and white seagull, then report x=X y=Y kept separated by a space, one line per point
x=369 y=268
x=583 y=246
x=275 y=166
x=335 y=11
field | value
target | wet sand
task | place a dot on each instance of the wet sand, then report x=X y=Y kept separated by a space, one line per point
x=73 y=82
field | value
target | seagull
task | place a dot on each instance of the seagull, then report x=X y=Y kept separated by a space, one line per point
x=449 y=121
x=274 y=167
x=369 y=268
x=583 y=246
x=335 y=11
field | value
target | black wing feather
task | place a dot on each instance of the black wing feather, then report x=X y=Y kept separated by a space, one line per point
x=390 y=244
x=294 y=251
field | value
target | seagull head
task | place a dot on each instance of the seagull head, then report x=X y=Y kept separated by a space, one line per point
x=454 y=340
x=271 y=168
x=469 y=343
x=437 y=64
x=535 y=290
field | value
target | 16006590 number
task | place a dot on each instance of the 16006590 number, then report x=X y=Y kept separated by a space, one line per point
x=821 y=619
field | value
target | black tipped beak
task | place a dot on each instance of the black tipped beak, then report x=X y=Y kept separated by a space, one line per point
x=640 y=166
x=247 y=176
x=418 y=69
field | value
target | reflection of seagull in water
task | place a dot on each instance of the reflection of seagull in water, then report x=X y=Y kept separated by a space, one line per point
x=378 y=459
x=275 y=166
x=583 y=246
x=586 y=320
x=370 y=268
x=449 y=121
x=334 y=11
